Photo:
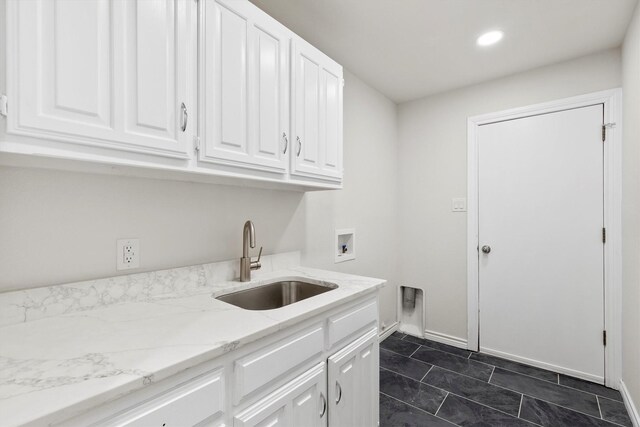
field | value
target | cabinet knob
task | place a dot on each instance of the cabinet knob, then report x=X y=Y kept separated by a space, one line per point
x=286 y=142
x=184 y=118
x=299 y=146
x=486 y=249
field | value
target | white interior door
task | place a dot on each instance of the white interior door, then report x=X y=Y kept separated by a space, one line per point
x=540 y=207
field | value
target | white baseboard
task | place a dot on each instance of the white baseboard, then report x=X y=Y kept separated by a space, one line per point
x=544 y=365
x=446 y=339
x=391 y=329
x=628 y=403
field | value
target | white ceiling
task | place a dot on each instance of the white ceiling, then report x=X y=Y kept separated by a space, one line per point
x=408 y=49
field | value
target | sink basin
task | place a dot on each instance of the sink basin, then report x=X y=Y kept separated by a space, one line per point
x=275 y=295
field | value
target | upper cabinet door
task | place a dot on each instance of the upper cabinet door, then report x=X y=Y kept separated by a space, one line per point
x=245 y=80
x=106 y=73
x=317 y=114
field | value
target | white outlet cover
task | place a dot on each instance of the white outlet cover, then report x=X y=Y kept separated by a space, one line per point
x=127 y=254
x=458 y=205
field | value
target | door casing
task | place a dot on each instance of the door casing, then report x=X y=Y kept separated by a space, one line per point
x=612 y=100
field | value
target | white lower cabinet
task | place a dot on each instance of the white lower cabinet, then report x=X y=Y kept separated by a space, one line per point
x=301 y=402
x=323 y=372
x=353 y=383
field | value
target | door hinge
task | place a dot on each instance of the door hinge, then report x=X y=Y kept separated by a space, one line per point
x=604 y=337
x=604 y=235
x=196 y=144
x=4 y=105
x=604 y=130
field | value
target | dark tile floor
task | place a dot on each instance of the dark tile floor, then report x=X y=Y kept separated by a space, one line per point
x=425 y=383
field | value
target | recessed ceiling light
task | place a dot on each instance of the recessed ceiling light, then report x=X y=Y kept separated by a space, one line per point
x=489 y=38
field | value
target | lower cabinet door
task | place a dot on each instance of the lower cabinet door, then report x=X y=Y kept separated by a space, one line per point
x=353 y=383
x=300 y=403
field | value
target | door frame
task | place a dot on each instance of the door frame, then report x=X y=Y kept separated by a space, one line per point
x=612 y=100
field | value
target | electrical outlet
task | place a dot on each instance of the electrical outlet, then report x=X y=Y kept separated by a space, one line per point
x=459 y=205
x=128 y=254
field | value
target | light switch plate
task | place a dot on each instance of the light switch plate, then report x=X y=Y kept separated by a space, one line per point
x=458 y=205
x=127 y=254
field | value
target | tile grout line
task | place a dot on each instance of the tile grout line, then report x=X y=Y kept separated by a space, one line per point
x=564 y=407
x=415 y=407
x=490 y=376
x=579 y=412
x=590 y=392
x=550 y=382
x=599 y=408
x=561 y=385
x=441 y=403
x=490 y=407
x=425 y=375
x=400 y=354
x=520 y=407
x=439 y=349
x=409 y=378
x=474 y=378
x=416 y=349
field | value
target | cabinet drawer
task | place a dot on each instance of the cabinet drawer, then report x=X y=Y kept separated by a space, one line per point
x=198 y=400
x=349 y=322
x=267 y=364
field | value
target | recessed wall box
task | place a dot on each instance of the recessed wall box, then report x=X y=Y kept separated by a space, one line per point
x=345 y=244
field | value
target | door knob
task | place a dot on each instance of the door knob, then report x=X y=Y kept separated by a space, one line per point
x=486 y=249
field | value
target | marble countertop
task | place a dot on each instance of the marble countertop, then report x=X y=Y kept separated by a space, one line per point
x=66 y=363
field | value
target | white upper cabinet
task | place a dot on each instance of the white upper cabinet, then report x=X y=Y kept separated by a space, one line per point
x=106 y=73
x=245 y=84
x=317 y=113
x=210 y=89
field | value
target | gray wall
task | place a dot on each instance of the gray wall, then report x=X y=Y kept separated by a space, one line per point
x=433 y=159
x=631 y=210
x=60 y=227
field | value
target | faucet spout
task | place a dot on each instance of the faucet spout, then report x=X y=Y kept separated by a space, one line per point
x=246 y=264
x=248 y=236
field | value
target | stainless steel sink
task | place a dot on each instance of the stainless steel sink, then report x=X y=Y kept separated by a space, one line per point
x=275 y=295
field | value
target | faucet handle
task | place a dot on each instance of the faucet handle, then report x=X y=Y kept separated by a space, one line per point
x=256 y=264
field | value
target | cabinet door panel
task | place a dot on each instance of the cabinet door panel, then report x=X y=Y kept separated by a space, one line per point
x=309 y=118
x=245 y=78
x=150 y=64
x=102 y=73
x=63 y=75
x=332 y=124
x=270 y=53
x=317 y=114
x=226 y=83
x=353 y=383
x=301 y=402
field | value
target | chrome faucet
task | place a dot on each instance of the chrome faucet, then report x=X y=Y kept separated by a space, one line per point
x=248 y=239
